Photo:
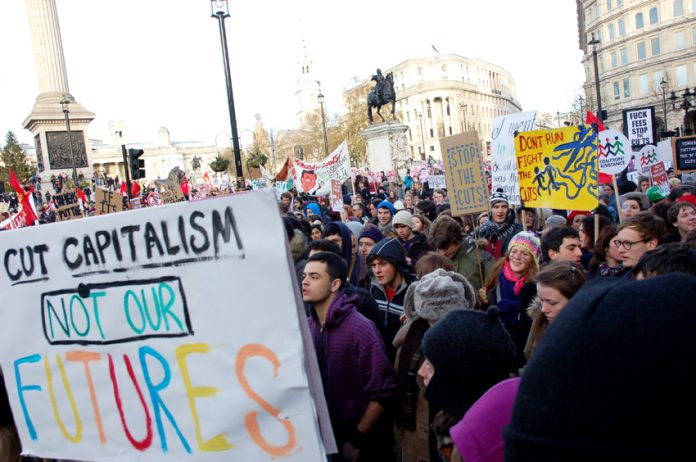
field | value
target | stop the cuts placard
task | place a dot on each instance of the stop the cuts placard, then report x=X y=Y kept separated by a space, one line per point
x=165 y=334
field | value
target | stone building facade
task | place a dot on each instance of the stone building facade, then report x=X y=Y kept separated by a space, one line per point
x=445 y=95
x=646 y=51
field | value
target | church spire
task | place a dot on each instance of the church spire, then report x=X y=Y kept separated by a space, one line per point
x=307 y=83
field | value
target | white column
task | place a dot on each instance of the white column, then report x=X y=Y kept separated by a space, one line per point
x=48 y=47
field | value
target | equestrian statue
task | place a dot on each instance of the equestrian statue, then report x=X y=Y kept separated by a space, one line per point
x=382 y=93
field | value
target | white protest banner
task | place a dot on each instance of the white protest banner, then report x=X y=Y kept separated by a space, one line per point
x=614 y=152
x=437 y=181
x=313 y=176
x=664 y=152
x=503 y=158
x=639 y=124
x=151 y=335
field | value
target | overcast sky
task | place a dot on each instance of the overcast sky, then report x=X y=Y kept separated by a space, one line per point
x=154 y=64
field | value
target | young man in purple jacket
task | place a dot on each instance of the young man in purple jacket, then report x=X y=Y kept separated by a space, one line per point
x=359 y=382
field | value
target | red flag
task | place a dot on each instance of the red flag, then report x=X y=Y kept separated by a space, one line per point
x=23 y=198
x=81 y=195
x=605 y=178
x=282 y=175
x=124 y=188
x=206 y=177
x=135 y=189
x=592 y=119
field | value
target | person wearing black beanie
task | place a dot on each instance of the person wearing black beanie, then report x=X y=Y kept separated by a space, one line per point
x=466 y=352
x=612 y=379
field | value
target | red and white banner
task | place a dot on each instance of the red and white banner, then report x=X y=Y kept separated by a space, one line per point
x=313 y=176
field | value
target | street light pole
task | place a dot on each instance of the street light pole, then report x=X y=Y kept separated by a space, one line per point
x=320 y=98
x=64 y=104
x=219 y=10
x=663 y=85
x=420 y=116
x=594 y=42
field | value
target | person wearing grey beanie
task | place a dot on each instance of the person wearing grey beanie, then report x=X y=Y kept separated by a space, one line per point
x=427 y=301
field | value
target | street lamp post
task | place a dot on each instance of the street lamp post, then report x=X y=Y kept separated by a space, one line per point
x=320 y=98
x=219 y=10
x=558 y=119
x=64 y=104
x=594 y=42
x=663 y=86
x=420 y=116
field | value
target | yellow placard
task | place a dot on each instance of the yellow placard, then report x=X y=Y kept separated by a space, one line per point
x=558 y=168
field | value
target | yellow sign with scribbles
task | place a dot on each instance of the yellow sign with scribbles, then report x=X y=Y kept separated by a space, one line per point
x=558 y=168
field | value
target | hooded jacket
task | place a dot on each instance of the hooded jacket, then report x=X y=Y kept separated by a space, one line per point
x=346 y=249
x=353 y=364
x=391 y=310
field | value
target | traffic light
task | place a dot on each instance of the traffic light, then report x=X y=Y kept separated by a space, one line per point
x=137 y=165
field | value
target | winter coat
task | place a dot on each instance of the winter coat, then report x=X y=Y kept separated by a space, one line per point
x=416 y=247
x=353 y=364
x=390 y=312
x=466 y=263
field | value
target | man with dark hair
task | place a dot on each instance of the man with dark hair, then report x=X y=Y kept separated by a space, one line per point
x=365 y=304
x=427 y=208
x=358 y=379
x=342 y=236
x=561 y=244
x=391 y=276
x=447 y=237
x=667 y=258
x=359 y=212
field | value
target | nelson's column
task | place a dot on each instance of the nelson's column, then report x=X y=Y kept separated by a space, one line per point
x=47 y=119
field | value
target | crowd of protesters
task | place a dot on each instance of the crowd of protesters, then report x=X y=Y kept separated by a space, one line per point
x=437 y=335
x=516 y=334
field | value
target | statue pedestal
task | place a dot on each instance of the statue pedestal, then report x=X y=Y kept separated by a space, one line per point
x=387 y=147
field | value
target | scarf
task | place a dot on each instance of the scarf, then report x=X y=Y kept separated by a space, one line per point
x=512 y=277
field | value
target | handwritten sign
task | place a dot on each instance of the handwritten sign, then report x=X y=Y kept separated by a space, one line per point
x=108 y=201
x=311 y=177
x=142 y=337
x=67 y=206
x=558 y=168
x=170 y=195
x=503 y=159
x=614 y=152
x=684 y=149
x=464 y=173
x=639 y=124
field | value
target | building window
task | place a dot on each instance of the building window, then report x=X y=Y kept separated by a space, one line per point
x=644 y=85
x=641 y=50
x=617 y=91
x=678 y=8
x=432 y=148
x=444 y=68
x=624 y=56
x=627 y=88
x=655 y=45
x=420 y=71
x=657 y=78
x=430 y=114
x=612 y=35
x=619 y=3
x=639 y=21
x=431 y=133
x=682 y=77
x=679 y=40
x=609 y=5
x=654 y=18
x=622 y=27
x=450 y=130
x=614 y=63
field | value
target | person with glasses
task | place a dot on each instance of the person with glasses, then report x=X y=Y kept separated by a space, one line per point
x=638 y=235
